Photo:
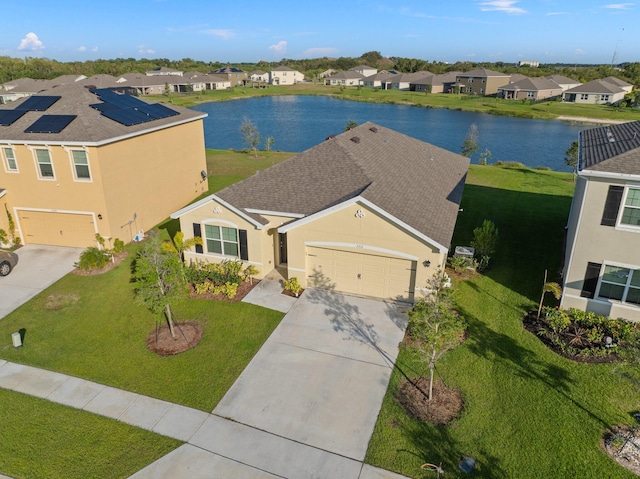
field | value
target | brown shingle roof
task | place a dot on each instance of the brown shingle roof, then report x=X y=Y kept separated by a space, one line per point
x=89 y=126
x=596 y=86
x=416 y=182
x=612 y=149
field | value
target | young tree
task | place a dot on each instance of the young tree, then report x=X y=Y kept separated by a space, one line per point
x=484 y=241
x=268 y=142
x=251 y=135
x=571 y=158
x=470 y=143
x=434 y=325
x=549 y=287
x=159 y=280
x=486 y=156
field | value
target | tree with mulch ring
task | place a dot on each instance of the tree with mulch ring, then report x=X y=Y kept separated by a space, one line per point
x=445 y=405
x=622 y=443
x=161 y=342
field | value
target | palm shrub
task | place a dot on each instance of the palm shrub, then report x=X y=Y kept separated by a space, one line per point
x=292 y=285
x=92 y=258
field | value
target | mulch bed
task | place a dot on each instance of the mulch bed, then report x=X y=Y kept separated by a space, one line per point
x=622 y=443
x=243 y=289
x=289 y=293
x=445 y=406
x=188 y=335
x=535 y=326
x=117 y=259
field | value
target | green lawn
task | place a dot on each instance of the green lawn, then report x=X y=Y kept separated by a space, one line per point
x=543 y=110
x=44 y=440
x=528 y=412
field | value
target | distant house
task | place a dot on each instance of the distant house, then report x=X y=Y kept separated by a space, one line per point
x=348 y=78
x=283 y=75
x=349 y=215
x=481 y=81
x=403 y=81
x=382 y=80
x=364 y=70
x=259 y=76
x=164 y=71
x=527 y=63
x=327 y=73
x=606 y=91
x=76 y=162
x=530 y=89
x=602 y=266
x=235 y=75
x=443 y=83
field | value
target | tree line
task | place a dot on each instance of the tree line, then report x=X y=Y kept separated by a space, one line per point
x=44 y=68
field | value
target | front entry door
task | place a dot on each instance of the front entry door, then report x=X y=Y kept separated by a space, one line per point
x=282 y=238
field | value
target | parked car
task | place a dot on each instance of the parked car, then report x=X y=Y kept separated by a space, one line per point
x=8 y=261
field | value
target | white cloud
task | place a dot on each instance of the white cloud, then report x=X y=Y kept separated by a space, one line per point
x=94 y=49
x=280 y=47
x=220 y=32
x=619 y=6
x=556 y=13
x=319 y=52
x=506 y=6
x=82 y=48
x=31 y=42
x=146 y=51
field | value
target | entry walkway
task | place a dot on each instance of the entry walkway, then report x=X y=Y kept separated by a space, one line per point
x=305 y=406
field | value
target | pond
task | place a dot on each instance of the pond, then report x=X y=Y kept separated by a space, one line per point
x=300 y=122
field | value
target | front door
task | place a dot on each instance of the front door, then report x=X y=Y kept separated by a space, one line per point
x=282 y=239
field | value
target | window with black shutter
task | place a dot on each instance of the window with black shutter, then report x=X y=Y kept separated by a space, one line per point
x=590 y=280
x=612 y=205
x=197 y=232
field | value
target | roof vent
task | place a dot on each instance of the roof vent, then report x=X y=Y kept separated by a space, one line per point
x=355 y=139
x=610 y=136
x=373 y=129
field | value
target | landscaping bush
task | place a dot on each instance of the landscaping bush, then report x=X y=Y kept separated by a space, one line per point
x=92 y=258
x=216 y=278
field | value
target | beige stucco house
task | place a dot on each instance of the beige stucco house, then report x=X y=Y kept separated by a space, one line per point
x=76 y=162
x=602 y=258
x=530 y=89
x=347 y=78
x=605 y=91
x=368 y=212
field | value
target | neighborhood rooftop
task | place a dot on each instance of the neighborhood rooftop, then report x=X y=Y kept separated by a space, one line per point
x=418 y=183
x=612 y=149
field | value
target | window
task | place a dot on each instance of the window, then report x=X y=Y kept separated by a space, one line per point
x=604 y=97
x=584 y=96
x=531 y=94
x=468 y=89
x=622 y=284
x=10 y=156
x=631 y=208
x=221 y=240
x=471 y=80
x=44 y=164
x=81 y=164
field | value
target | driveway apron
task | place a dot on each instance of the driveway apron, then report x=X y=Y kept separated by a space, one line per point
x=320 y=378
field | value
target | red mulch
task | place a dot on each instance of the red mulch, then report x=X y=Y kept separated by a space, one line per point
x=117 y=259
x=188 y=335
x=243 y=289
x=445 y=406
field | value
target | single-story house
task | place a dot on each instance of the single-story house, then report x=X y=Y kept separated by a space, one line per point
x=348 y=78
x=380 y=80
x=530 y=89
x=368 y=212
x=443 y=83
x=605 y=91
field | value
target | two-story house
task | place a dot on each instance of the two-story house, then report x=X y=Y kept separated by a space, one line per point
x=481 y=81
x=283 y=75
x=76 y=162
x=602 y=256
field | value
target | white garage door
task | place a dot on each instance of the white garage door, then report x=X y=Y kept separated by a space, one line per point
x=57 y=229
x=361 y=274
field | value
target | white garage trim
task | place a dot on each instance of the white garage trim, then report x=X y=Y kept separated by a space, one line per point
x=337 y=245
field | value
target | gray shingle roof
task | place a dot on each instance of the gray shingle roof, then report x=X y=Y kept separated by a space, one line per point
x=612 y=149
x=483 y=72
x=416 y=182
x=532 y=84
x=89 y=126
x=596 y=86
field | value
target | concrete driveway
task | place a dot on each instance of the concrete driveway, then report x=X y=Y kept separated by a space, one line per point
x=38 y=267
x=320 y=378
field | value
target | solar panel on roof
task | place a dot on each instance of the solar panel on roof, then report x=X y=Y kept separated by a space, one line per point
x=37 y=103
x=50 y=124
x=128 y=110
x=7 y=117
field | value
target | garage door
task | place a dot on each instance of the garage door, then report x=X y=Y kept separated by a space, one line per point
x=361 y=274
x=57 y=229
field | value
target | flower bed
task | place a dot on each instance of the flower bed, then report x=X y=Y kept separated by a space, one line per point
x=219 y=279
x=584 y=336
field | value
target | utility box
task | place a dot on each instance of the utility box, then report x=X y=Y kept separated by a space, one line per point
x=464 y=252
x=17 y=340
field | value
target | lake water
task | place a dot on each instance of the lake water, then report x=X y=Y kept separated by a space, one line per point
x=301 y=122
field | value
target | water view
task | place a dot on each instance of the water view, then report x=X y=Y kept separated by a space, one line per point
x=301 y=122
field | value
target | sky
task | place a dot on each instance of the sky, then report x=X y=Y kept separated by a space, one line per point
x=547 y=31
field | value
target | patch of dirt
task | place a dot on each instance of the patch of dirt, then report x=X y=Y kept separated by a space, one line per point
x=59 y=301
x=535 y=326
x=445 y=406
x=622 y=443
x=116 y=260
x=188 y=335
x=243 y=289
x=289 y=293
